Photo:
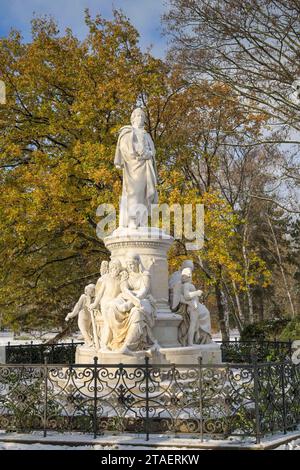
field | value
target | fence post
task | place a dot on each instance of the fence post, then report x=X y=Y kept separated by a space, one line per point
x=71 y=352
x=290 y=348
x=45 y=394
x=95 y=397
x=30 y=352
x=256 y=398
x=147 y=396
x=282 y=380
x=7 y=353
x=201 y=396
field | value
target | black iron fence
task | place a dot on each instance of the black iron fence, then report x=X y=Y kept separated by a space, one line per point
x=61 y=353
x=218 y=400
x=232 y=351
x=265 y=351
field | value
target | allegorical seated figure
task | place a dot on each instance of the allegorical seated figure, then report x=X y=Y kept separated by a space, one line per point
x=82 y=310
x=108 y=289
x=195 y=327
x=131 y=315
x=103 y=273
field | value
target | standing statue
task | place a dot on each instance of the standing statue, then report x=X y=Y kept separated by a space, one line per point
x=135 y=154
x=83 y=310
x=195 y=327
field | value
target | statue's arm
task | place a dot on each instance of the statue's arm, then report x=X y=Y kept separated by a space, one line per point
x=149 y=153
x=99 y=295
x=144 y=291
x=190 y=294
x=129 y=295
x=77 y=308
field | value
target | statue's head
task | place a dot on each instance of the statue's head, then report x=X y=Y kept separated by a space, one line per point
x=138 y=118
x=186 y=274
x=188 y=263
x=133 y=263
x=90 y=290
x=104 y=268
x=114 y=267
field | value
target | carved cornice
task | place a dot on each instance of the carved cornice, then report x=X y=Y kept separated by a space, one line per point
x=138 y=243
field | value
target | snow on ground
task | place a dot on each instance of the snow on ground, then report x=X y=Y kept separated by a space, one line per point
x=127 y=441
x=40 y=337
x=234 y=334
x=26 y=338
x=37 y=446
x=293 y=445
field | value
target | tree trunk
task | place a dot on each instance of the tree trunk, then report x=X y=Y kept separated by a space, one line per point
x=259 y=303
x=222 y=313
x=238 y=304
x=246 y=275
x=61 y=334
x=281 y=268
x=235 y=310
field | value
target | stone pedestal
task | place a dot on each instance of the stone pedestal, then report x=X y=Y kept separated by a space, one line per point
x=166 y=329
x=152 y=245
x=210 y=353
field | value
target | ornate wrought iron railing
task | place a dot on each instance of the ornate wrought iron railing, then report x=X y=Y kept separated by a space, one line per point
x=203 y=400
x=232 y=351
x=61 y=353
x=265 y=351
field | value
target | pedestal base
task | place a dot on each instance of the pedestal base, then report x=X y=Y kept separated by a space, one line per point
x=152 y=245
x=166 y=329
x=210 y=353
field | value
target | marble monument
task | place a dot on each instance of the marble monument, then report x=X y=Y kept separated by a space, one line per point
x=135 y=309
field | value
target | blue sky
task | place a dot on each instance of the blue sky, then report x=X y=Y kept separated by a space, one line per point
x=144 y=14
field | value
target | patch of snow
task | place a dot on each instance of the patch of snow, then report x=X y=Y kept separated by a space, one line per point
x=293 y=445
x=233 y=334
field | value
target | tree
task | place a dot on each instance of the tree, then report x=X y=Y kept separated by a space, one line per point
x=252 y=46
x=66 y=99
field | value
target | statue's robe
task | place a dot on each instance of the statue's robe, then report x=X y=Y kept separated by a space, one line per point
x=139 y=174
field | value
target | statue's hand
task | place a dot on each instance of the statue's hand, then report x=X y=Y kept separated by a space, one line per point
x=68 y=317
x=144 y=156
x=137 y=303
x=147 y=156
x=93 y=306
